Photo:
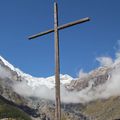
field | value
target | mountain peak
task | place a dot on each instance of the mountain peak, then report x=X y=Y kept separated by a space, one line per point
x=35 y=81
x=6 y=63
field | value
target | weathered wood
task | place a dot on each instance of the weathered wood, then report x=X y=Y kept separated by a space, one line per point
x=57 y=66
x=57 y=56
x=60 y=28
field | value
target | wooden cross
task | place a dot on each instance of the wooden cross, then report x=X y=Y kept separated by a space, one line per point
x=57 y=58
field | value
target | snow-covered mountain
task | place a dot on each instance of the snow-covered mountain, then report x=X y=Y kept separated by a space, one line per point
x=49 y=82
x=101 y=86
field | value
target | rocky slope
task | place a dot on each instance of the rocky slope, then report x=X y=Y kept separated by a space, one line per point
x=43 y=109
x=37 y=108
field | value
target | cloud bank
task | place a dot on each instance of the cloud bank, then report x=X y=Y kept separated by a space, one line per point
x=106 y=90
x=110 y=88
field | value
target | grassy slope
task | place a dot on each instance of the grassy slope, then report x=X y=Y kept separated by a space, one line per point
x=9 y=111
x=104 y=109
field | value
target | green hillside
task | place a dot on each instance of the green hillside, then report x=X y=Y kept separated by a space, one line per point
x=104 y=109
x=10 y=111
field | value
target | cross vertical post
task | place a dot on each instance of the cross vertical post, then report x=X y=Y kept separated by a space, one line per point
x=57 y=56
x=57 y=65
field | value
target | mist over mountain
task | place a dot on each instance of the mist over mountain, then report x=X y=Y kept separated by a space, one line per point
x=76 y=93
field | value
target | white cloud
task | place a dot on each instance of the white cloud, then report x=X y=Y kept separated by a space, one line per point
x=110 y=88
x=105 y=61
x=103 y=91
x=82 y=74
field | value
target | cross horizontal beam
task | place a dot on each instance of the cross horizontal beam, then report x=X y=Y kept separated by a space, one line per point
x=60 y=27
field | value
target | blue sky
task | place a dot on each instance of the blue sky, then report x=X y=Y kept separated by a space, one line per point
x=79 y=45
